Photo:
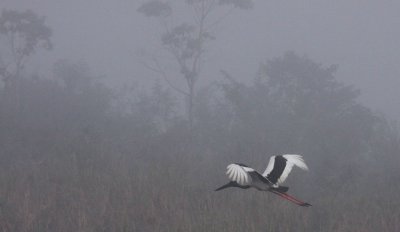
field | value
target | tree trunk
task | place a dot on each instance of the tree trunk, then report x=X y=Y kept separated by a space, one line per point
x=190 y=105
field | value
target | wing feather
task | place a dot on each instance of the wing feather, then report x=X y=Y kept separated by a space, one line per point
x=296 y=160
x=239 y=174
x=291 y=160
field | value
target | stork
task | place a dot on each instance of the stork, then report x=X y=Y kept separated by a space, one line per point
x=275 y=174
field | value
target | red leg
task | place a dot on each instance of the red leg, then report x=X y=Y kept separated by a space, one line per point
x=290 y=198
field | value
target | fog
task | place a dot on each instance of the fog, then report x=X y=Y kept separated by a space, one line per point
x=361 y=38
x=128 y=120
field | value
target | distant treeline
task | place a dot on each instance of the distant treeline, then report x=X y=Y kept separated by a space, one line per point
x=78 y=156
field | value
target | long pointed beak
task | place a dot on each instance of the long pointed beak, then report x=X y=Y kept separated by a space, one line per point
x=225 y=186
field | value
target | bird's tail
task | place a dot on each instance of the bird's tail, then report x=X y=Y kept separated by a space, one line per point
x=291 y=198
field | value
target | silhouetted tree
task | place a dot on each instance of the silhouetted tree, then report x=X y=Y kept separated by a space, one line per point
x=297 y=105
x=74 y=75
x=22 y=33
x=187 y=41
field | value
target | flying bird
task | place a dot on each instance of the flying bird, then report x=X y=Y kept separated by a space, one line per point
x=278 y=169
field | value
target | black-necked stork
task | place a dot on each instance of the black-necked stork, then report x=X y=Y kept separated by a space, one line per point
x=277 y=171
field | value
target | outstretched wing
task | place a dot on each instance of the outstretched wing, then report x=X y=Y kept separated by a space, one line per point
x=280 y=166
x=239 y=173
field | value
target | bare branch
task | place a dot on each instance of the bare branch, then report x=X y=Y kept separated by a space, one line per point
x=228 y=76
x=160 y=71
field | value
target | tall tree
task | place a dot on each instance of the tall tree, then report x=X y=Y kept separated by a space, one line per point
x=298 y=105
x=22 y=33
x=187 y=40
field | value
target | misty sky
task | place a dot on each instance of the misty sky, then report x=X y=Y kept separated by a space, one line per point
x=362 y=37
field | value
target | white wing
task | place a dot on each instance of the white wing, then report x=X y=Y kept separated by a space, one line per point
x=296 y=160
x=239 y=174
x=280 y=175
x=292 y=160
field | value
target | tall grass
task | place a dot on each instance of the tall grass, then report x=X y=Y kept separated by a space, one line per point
x=70 y=162
x=174 y=192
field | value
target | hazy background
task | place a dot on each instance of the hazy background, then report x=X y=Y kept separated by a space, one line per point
x=94 y=138
x=361 y=37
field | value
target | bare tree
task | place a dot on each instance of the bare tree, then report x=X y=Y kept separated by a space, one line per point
x=186 y=41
